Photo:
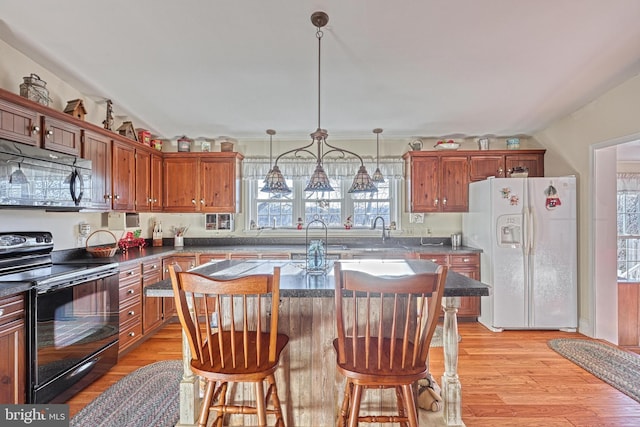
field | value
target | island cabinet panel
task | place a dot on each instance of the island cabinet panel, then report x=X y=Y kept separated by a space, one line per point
x=58 y=135
x=13 y=376
x=97 y=148
x=19 y=124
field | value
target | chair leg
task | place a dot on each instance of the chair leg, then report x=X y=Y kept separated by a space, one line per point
x=260 y=404
x=410 y=405
x=222 y=401
x=402 y=413
x=354 y=411
x=206 y=404
x=344 y=409
x=273 y=394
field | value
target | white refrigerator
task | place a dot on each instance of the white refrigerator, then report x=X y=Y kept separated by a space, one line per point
x=526 y=228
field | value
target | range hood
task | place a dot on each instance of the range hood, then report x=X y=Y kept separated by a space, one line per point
x=34 y=178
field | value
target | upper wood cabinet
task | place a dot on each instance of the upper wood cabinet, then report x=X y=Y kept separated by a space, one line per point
x=201 y=182
x=97 y=148
x=500 y=165
x=123 y=176
x=61 y=136
x=437 y=181
x=143 y=181
x=156 y=182
x=19 y=124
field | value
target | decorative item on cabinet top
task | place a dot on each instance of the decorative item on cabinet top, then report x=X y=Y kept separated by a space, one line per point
x=184 y=144
x=127 y=130
x=34 y=89
x=75 y=108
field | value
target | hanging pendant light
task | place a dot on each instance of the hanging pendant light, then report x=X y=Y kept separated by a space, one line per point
x=274 y=182
x=377 y=175
x=319 y=181
x=17 y=176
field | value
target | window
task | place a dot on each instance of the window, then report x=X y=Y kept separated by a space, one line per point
x=628 y=209
x=334 y=207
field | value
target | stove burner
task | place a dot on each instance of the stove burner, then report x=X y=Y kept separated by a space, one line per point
x=12 y=240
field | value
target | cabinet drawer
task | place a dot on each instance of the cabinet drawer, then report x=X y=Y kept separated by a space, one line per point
x=129 y=292
x=130 y=311
x=130 y=334
x=438 y=259
x=464 y=260
x=129 y=274
x=151 y=265
x=11 y=308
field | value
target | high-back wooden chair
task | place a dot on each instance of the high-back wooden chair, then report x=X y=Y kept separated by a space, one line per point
x=384 y=329
x=235 y=339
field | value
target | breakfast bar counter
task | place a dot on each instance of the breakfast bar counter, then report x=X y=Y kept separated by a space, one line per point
x=309 y=385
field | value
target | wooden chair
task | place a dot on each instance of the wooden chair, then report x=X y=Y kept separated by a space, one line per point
x=384 y=327
x=236 y=340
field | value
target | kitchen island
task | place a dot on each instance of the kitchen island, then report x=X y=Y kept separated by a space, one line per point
x=310 y=388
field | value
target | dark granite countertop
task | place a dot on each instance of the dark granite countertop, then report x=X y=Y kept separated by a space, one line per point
x=367 y=246
x=295 y=282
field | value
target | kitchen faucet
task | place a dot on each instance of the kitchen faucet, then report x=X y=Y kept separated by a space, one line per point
x=373 y=227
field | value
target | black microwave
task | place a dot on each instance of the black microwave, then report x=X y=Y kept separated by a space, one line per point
x=31 y=177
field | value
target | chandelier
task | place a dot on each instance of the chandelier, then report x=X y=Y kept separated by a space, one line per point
x=275 y=182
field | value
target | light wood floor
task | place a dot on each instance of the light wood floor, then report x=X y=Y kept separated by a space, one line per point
x=508 y=379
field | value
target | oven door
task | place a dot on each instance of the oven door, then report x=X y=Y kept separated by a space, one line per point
x=74 y=337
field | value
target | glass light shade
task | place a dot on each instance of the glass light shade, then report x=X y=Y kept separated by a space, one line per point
x=274 y=182
x=319 y=181
x=18 y=177
x=363 y=183
x=377 y=176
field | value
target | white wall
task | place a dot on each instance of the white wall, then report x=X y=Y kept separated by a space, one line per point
x=612 y=118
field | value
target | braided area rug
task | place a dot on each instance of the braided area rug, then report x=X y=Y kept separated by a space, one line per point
x=147 y=397
x=616 y=367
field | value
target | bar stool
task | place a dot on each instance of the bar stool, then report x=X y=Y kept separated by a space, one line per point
x=233 y=339
x=384 y=325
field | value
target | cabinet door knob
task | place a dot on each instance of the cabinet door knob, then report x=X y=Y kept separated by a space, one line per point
x=1 y=311
x=149 y=200
x=132 y=334
x=435 y=202
x=501 y=172
x=193 y=201
x=202 y=201
x=116 y=197
x=130 y=273
x=444 y=202
x=35 y=129
x=130 y=291
x=466 y=260
x=131 y=313
x=49 y=133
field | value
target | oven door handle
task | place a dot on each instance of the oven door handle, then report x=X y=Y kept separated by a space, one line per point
x=76 y=177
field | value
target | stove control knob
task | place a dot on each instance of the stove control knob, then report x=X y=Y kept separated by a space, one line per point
x=47 y=239
x=39 y=239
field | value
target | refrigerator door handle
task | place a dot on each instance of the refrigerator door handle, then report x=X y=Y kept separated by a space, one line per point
x=525 y=231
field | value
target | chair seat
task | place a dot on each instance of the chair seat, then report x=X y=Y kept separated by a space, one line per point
x=386 y=373
x=251 y=372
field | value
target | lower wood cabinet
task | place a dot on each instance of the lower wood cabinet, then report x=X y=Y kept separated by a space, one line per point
x=186 y=262
x=13 y=374
x=130 y=306
x=468 y=265
x=153 y=312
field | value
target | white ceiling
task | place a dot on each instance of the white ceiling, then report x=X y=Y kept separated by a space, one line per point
x=207 y=68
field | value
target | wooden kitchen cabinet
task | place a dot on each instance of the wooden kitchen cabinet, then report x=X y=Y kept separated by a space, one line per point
x=13 y=374
x=61 y=136
x=205 y=258
x=156 y=183
x=123 y=176
x=152 y=307
x=629 y=315
x=500 y=165
x=142 y=181
x=467 y=264
x=19 y=124
x=97 y=148
x=202 y=182
x=130 y=306
x=436 y=183
x=186 y=262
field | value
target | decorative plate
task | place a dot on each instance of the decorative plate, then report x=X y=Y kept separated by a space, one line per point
x=447 y=146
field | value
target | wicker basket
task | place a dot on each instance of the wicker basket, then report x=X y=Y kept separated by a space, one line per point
x=102 y=251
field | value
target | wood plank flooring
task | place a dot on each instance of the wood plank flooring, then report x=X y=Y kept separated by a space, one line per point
x=508 y=379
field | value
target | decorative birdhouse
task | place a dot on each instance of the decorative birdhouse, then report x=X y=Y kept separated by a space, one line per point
x=76 y=108
x=126 y=129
